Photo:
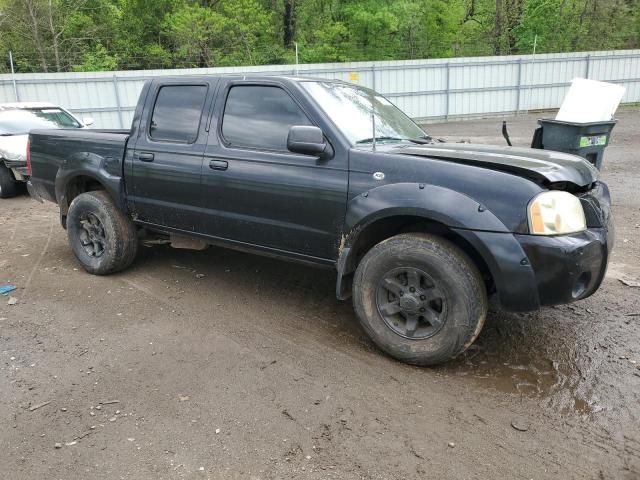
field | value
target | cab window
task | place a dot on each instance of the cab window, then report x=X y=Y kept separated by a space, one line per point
x=257 y=116
x=177 y=112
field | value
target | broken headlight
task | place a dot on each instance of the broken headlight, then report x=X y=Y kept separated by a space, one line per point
x=556 y=213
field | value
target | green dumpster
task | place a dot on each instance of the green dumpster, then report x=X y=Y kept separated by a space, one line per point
x=587 y=140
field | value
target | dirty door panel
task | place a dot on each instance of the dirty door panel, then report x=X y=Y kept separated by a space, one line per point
x=167 y=160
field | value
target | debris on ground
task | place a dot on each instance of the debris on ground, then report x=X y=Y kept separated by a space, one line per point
x=57 y=445
x=7 y=288
x=184 y=267
x=184 y=398
x=39 y=405
x=82 y=435
x=520 y=425
x=12 y=301
x=451 y=445
x=630 y=283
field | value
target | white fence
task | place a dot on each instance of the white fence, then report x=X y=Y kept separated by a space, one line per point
x=424 y=89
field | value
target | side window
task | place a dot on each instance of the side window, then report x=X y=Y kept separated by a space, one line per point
x=176 y=114
x=260 y=117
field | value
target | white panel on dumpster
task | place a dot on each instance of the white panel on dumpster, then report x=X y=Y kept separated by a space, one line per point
x=590 y=101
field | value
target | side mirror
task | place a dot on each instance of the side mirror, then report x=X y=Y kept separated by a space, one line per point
x=307 y=140
x=88 y=121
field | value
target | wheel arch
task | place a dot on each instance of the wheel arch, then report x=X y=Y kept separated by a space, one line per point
x=360 y=241
x=74 y=186
x=86 y=172
x=386 y=211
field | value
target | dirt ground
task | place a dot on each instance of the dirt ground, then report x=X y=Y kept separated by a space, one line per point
x=256 y=371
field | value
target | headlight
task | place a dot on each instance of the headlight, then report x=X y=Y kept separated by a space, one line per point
x=554 y=213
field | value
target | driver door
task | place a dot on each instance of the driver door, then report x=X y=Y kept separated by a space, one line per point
x=257 y=192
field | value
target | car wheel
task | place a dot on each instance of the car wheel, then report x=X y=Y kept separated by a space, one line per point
x=420 y=298
x=8 y=184
x=102 y=237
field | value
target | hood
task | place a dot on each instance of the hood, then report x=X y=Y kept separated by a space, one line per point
x=14 y=148
x=542 y=166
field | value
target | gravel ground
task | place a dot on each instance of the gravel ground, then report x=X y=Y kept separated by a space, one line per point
x=219 y=364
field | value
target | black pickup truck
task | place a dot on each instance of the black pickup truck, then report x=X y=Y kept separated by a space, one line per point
x=421 y=233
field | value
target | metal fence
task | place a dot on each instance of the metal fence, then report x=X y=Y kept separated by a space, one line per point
x=425 y=89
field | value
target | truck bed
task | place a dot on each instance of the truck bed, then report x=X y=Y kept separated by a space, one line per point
x=56 y=153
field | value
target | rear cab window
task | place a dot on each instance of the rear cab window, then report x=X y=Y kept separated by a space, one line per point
x=177 y=113
x=260 y=116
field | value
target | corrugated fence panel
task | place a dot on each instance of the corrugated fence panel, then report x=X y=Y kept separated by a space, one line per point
x=425 y=89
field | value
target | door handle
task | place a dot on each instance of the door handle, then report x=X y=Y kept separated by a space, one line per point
x=218 y=165
x=145 y=157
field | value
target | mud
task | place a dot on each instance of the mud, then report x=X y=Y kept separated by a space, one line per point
x=254 y=370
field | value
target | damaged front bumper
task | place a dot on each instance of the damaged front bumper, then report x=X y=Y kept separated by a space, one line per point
x=530 y=271
x=568 y=268
x=19 y=169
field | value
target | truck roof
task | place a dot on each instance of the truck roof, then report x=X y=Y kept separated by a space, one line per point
x=258 y=77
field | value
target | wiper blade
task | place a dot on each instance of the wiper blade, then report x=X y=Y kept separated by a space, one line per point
x=426 y=140
x=7 y=134
x=378 y=139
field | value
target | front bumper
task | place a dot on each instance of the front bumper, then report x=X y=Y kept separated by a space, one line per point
x=530 y=271
x=569 y=267
x=19 y=169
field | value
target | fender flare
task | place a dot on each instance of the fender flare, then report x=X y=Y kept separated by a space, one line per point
x=85 y=164
x=447 y=207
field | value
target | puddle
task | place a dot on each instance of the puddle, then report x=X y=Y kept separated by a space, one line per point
x=531 y=355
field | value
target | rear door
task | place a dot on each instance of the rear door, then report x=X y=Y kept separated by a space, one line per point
x=168 y=153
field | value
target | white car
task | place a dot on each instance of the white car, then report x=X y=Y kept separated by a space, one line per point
x=16 y=120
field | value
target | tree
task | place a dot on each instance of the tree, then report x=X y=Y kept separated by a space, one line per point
x=236 y=32
x=63 y=35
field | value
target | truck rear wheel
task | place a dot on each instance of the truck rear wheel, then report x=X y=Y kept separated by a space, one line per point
x=8 y=184
x=420 y=298
x=102 y=237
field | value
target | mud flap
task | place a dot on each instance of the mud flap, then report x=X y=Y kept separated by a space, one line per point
x=344 y=281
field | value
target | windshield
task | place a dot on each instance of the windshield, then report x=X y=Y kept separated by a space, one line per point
x=21 y=121
x=350 y=108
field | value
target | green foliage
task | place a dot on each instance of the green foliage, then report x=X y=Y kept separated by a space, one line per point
x=234 y=34
x=83 y=35
x=97 y=59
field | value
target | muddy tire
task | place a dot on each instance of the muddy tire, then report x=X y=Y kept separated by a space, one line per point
x=420 y=298
x=8 y=185
x=101 y=236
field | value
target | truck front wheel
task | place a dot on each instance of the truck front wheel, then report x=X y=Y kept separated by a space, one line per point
x=8 y=184
x=102 y=237
x=420 y=298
